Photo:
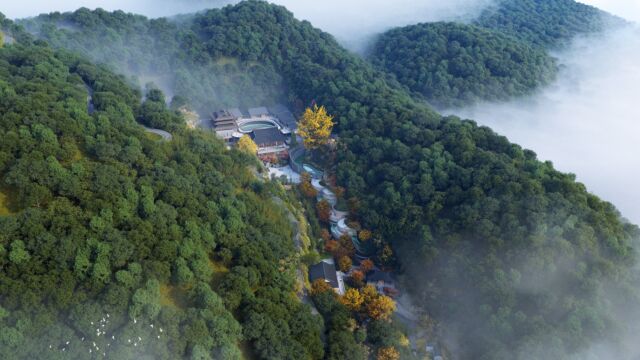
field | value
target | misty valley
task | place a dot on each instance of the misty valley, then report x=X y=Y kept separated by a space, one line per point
x=343 y=180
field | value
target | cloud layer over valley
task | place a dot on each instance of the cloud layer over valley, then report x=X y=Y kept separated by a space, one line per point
x=587 y=121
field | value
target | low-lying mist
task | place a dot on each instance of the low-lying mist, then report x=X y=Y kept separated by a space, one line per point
x=628 y=9
x=355 y=22
x=587 y=122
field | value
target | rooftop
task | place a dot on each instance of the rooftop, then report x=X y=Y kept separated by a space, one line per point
x=265 y=137
x=237 y=113
x=258 y=111
x=223 y=115
x=325 y=271
x=284 y=115
x=377 y=275
x=225 y=126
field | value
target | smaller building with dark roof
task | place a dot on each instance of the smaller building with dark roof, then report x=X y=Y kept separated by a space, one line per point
x=382 y=280
x=268 y=137
x=285 y=116
x=238 y=113
x=326 y=270
x=271 y=144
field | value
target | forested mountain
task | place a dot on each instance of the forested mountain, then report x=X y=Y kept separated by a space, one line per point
x=468 y=212
x=454 y=64
x=164 y=52
x=516 y=259
x=503 y=54
x=115 y=242
x=546 y=23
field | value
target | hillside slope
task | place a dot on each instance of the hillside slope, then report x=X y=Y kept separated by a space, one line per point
x=163 y=52
x=468 y=212
x=454 y=64
x=115 y=242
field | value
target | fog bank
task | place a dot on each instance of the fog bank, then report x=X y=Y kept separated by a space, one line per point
x=355 y=22
x=628 y=9
x=587 y=122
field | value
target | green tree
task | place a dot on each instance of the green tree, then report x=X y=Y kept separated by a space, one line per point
x=18 y=254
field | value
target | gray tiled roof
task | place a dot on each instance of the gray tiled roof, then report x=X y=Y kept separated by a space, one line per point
x=377 y=275
x=284 y=115
x=258 y=111
x=278 y=108
x=236 y=113
x=324 y=271
x=267 y=136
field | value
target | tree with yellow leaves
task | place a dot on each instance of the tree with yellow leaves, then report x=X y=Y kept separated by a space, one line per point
x=387 y=353
x=247 y=145
x=352 y=299
x=345 y=263
x=319 y=286
x=364 y=235
x=381 y=308
x=315 y=127
x=370 y=293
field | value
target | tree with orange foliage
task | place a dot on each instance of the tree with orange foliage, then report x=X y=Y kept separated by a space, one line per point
x=305 y=186
x=331 y=246
x=339 y=191
x=345 y=263
x=357 y=275
x=346 y=246
x=325 y=235
x=323 y=208
x=319 y=286
x=388 y=353
x=366 y=265
x=352 y=299
x=357 y=279
x=381 y=308
x=364 y=235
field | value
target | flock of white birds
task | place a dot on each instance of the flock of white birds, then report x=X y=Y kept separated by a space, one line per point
x=102 y=330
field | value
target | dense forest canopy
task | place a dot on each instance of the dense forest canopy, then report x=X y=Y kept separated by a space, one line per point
x=546 y=23
x=481 y=229
x=454 y=64
x=163 y=52
x=113 y=241
x=467 y=211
